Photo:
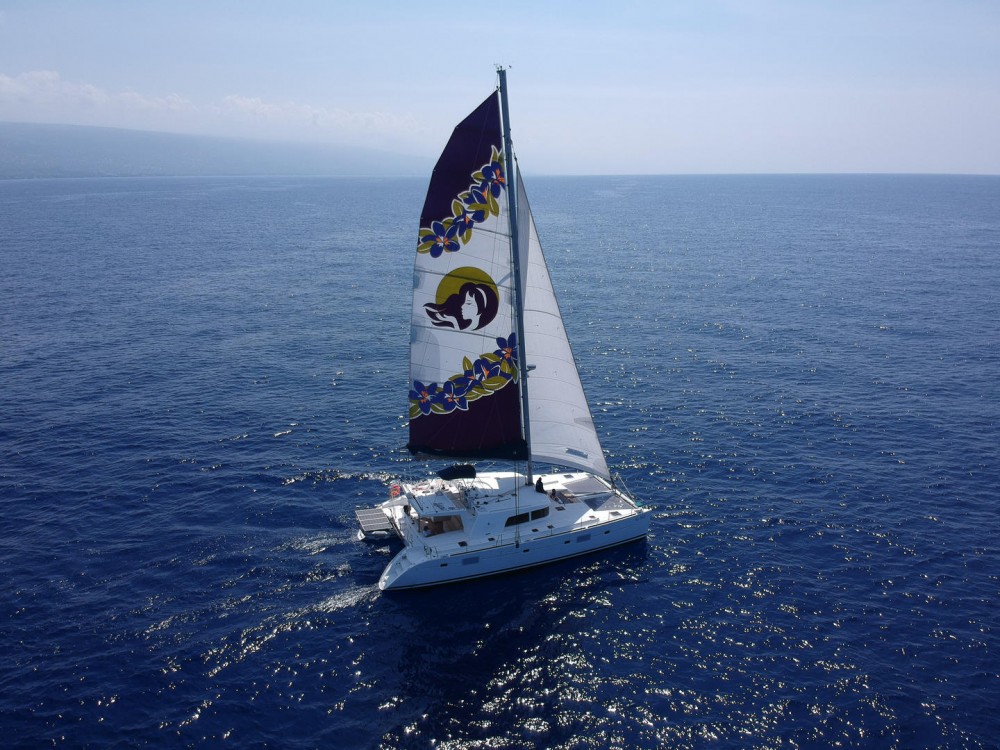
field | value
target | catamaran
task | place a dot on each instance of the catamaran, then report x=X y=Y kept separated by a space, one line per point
x=493 y=378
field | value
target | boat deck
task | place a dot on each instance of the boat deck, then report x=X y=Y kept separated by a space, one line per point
x=492 y=510
x=607 y=501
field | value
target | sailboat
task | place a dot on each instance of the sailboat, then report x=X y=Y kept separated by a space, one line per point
x=493 y=378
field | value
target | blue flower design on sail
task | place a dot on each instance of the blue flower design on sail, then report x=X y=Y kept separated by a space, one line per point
x=475 y=198
x=440 y=238
x=493 y=179
x=490 y=372
x=485 y=369
x=423 y=396
x=451 y=397
x=470 y=207
x=507 y=353
x=467 y=217
x=478 y=374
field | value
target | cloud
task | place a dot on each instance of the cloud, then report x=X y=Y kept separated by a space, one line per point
x=46 y=91
x=304 y=117
x=45 y=96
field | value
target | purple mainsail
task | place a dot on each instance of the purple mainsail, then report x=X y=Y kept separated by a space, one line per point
x=464 y=394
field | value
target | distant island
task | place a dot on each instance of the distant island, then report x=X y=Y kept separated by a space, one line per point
x=38 y=150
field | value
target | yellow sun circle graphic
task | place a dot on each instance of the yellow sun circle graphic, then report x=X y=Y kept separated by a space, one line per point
x=451 y=283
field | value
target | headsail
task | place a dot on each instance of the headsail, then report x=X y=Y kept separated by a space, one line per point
x=562 y=429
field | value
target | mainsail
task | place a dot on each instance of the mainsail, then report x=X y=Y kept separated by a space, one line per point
x=465 y=396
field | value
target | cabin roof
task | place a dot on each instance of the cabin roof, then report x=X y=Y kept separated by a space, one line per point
x=437 y=504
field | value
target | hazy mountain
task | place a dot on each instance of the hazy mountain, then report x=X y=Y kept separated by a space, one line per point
x=33 y=150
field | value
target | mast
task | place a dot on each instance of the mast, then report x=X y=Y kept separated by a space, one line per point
x=508 y=155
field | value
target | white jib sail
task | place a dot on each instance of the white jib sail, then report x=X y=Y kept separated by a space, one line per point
x=562 y=428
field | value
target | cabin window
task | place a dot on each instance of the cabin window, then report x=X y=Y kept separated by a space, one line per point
x=434 y=526
x=519 y=518
x=525 y=517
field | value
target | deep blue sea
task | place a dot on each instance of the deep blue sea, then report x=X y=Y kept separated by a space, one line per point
x=200 y=379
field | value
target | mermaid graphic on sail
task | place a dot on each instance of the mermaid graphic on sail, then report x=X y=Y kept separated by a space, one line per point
x=466 y=299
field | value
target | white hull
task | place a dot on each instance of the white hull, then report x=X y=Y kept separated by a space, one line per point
x=493 y=524
x=413 y=569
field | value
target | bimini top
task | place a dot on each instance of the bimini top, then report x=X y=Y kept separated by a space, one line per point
x=458 y=471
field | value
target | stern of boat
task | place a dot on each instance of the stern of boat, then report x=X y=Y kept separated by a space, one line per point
x=381 y=522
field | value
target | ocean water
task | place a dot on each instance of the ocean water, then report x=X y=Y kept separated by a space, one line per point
x=200 y=379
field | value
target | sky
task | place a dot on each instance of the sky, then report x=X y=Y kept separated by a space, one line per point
x=609 y=87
